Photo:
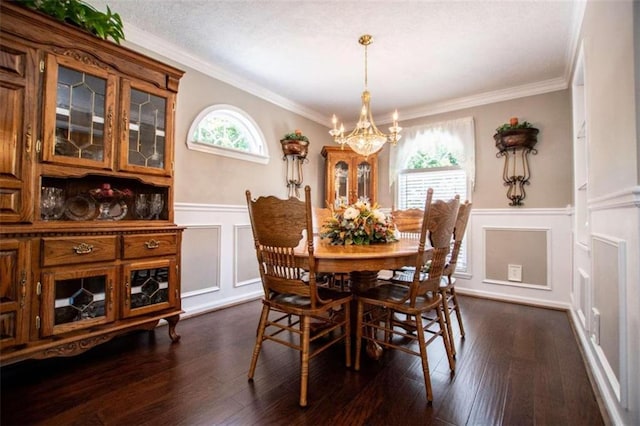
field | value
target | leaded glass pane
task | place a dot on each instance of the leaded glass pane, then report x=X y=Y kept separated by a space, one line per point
x=79 y=299
x=80 y=114
x=364 y=181
x=341 y=184
x=147 y=129
x=149 y=287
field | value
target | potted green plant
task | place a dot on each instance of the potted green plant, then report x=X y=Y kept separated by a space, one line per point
x=516 y=135
x=295 y=144
x=81 y=15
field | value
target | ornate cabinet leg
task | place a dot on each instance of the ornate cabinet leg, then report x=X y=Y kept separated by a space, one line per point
x=173 y=321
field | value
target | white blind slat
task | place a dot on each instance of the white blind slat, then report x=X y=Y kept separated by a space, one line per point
x=446 y=184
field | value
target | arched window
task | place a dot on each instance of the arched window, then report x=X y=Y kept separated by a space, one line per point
x=439 y=156
x=228 y=131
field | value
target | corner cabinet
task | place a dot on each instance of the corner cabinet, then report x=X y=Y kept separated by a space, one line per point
x=88 y=246
x=349 y=177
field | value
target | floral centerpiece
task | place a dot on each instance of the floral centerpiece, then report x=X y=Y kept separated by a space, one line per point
x=359 y=224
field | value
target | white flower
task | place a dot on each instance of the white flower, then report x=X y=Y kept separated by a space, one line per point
x=351 y=213
x=379 y=216
x=362 y=205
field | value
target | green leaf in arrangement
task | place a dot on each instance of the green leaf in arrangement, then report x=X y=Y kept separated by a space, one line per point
x=82 y=15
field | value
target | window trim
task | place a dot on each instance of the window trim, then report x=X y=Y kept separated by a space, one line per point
x=246 y=121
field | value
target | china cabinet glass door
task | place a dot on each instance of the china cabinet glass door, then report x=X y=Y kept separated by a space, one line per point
x=147 y=124
x=364 y=181
x=341 y=185
x=80 y=102
x=150 y=286
x=77 y=299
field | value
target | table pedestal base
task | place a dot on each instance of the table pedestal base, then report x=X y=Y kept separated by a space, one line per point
x=361 y=281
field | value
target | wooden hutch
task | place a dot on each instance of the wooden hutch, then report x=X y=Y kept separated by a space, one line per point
x=349 y=176
x=88 y=244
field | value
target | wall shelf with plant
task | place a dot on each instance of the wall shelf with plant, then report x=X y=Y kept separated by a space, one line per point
x=515 y=141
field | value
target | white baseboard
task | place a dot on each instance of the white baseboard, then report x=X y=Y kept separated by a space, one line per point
x=197 y=303
x=607 y=396
x=513 y=299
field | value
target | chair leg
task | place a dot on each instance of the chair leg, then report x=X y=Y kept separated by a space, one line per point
x=359 y=314
x=423 y=355
x=445 y=339
x=457 y=309
x=447 y=318
x=259 y=338
x=304 y=361
x=347 y=332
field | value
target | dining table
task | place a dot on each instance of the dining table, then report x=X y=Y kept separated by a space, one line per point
x=362 y=263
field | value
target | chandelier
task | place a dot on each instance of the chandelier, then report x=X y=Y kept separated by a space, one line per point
x=365 y=139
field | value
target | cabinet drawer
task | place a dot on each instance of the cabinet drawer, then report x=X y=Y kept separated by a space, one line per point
x=137 y=246
x=69 y=250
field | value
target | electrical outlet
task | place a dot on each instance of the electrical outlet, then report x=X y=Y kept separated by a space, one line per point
x=514 y=273
x=595 y=326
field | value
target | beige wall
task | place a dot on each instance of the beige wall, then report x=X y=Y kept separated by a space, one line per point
x=610 y=97
x=524 y=247
x=551 y=168
x=211 y=179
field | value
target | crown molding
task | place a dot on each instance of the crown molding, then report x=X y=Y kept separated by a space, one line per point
x=162 y=47
x=143 y=39
x=485 y=98
x=574 y=44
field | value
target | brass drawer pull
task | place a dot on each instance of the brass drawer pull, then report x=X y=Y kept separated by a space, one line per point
x=152 y=244
x=83 y=248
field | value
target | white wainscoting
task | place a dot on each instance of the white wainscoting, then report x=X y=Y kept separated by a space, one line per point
x=555 y=223
x=236 y=279
x=235 y=287
x=610 y=262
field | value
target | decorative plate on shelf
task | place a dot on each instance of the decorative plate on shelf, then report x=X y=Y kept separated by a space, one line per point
x=80 y=208
x=118 y=210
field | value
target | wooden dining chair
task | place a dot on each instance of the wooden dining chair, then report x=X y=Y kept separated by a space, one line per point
x=408 y=223
x=416 y=300
x=407 y=220
x=279 y=226
x=447 y=283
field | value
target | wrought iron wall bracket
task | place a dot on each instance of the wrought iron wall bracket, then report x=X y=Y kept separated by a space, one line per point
x=295 y=154
x=515 y=146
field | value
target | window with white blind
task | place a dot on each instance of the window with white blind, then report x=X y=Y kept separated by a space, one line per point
x=438 y=156
x=447 y=182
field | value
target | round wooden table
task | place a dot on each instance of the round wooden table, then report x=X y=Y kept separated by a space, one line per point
x=362 y=262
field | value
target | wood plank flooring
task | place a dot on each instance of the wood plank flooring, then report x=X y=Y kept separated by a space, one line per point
x=518 y=365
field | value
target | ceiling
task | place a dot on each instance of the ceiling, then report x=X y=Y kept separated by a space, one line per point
x=426 y=57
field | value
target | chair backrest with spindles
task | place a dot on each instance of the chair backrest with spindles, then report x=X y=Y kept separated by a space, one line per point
x=408 y=222
x=464 y=211
x=437 y=226
x=279 y=226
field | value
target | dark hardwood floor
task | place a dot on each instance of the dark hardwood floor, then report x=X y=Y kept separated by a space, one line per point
x=518 y=365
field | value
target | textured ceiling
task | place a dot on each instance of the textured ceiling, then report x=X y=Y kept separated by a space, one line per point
x=427 y=56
